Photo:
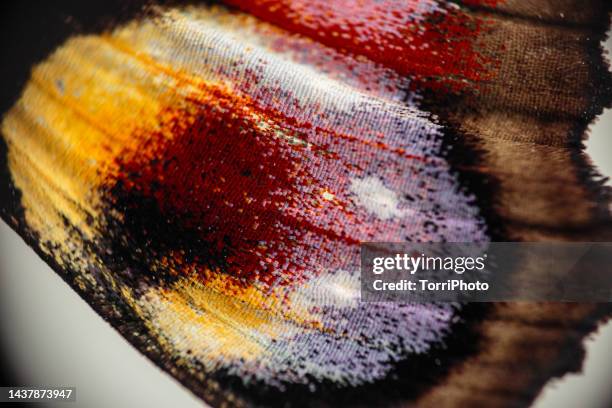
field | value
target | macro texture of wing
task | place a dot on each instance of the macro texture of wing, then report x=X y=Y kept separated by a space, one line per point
x=203 y=176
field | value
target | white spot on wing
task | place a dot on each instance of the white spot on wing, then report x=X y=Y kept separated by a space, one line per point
x=377 y=198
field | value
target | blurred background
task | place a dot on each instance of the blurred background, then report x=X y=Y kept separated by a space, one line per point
x=50 y=337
